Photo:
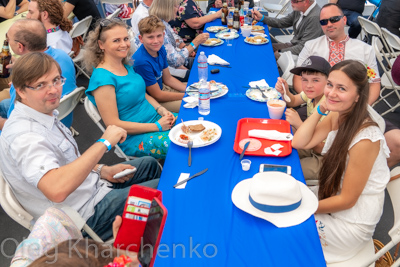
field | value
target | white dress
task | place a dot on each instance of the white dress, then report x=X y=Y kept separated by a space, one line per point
x=343 y=234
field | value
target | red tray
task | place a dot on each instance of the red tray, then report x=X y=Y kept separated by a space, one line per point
x=246 y=124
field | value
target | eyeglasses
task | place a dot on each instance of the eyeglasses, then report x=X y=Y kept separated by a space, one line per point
x=297 y=1
x=57 y=82
x=8 y=40
x=334 y=19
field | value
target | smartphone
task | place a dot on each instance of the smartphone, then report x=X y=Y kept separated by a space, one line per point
x=276 y=168
x=152 y=234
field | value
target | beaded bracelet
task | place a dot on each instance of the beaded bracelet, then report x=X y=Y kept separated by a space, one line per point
x=320 y=112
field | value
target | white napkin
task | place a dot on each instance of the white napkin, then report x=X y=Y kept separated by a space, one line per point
x=214 y=59
x=261 y=83
x=191 y=101
x=183 y=176
x=269 y=151
x=271 y=135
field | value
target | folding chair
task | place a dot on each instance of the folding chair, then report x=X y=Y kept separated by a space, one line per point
x=279 y=14
x=114 y=14
x=277 y=8
x=94 y=114
x=372 y=28
x=393 y=42
x=68 y=104
x=80 y=28
x=286 y=63
x=386 y=79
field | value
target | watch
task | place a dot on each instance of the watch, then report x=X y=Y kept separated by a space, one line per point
x=16 y=13
x=98 y=170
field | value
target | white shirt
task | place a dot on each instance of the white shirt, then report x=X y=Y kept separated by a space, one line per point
x=60 y=40
x=33 y=143
x=305 y=13
x=141 y=12
x=354 y=49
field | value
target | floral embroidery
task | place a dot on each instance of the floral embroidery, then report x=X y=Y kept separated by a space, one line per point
x=141 y=146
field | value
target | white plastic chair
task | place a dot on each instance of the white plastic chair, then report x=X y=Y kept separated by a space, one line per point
x=114 y=14
x=372 y=28
x=68 y=102
x=393 y=42
x=80 y=28
x=286 y=63
x=277 y=8
x=386 y=79
x=94 y=114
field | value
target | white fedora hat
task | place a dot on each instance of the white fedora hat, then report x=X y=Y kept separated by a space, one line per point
x=276 y=197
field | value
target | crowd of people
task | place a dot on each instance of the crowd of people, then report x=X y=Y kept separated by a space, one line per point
x=341 y=141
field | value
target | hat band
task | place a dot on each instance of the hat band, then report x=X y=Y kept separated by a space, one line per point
x=274 y=209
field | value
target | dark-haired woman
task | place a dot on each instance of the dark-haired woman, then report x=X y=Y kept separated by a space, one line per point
x=354 y=171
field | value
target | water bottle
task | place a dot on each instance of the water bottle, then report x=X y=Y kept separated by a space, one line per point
x=204 y=98
x=202 y=67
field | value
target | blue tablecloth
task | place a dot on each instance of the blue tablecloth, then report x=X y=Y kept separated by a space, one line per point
x=203 y=227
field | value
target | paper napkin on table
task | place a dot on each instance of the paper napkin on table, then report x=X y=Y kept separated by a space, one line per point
x=261 y=83
x=271 y=135
x=273 y=150
x=214 y=59
x=183 y=176
x=191 y=101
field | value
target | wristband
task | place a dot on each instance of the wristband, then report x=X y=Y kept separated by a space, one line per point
x=262 y=18
x=192 y=44
x=320 y=112
x=106 y=143
x=158 y=126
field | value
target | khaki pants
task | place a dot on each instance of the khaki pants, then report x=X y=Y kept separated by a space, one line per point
x=311 y=163
x=4 y=94
x=172 y=106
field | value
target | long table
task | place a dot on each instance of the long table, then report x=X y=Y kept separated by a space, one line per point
x=203 y=227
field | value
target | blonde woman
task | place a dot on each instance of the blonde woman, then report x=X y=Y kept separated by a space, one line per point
x=120 y=93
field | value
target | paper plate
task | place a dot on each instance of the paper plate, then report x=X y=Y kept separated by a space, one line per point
x=216 y=91
x=176 y=131
x=215 y=29
x=227 y=35
x=256 y=95
x=214 y=44
x=257 y=43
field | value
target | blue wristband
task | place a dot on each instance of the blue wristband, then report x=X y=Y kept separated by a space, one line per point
x=106 y=143
x=262 y=18
x=192 y=44
x=159 y=126
x=320 y=112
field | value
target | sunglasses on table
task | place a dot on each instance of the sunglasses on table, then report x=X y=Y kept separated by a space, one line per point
x=334 y=19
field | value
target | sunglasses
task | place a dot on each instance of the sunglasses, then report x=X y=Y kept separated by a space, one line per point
x=297 y=1
x=104 y=23
x=334 y=19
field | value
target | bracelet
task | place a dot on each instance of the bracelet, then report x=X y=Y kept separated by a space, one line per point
x=320 y=112
x=106 y=143
x=158 y=126
x=262 y=18
x=98 y=170
x=158 y=108
x=192 y=44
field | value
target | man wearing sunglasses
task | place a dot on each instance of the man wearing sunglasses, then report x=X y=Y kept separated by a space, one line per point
x=304 y=19
x=336 y=46
x=352 y=9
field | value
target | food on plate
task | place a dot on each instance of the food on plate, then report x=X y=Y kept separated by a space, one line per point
x=183 y=138
x=257 y=28
x=254 y=22
x=256 y=40
x=184 y=128
x=253 y=146
x=211 y=41
x=271 y=94
x=208 y=135
x=215 y=28
x=196 y=128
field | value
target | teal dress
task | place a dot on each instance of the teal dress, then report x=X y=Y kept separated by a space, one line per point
x=132 y=106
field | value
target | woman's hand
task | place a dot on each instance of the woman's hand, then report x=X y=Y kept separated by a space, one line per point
x=293 y=117
x=166 y=122
x=257 y=15
x=201 y=38
x=323 y=107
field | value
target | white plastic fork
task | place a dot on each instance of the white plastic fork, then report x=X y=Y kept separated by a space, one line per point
x=287 y=99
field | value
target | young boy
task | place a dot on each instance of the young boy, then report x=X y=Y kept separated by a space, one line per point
x=314 y=73
x=150 y=61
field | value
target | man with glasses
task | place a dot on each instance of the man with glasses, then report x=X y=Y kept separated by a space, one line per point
x=352 y=10
x=40 y=159
x=28 y=35
x=305 y=22
x=336 y=46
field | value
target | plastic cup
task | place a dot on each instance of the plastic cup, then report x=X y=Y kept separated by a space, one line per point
x=246 y=164
x=276 y=108
x=246 y=4
x=246 y=30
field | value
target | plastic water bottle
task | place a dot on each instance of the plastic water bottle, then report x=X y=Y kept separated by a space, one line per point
x=202 y=67
x=204 y=98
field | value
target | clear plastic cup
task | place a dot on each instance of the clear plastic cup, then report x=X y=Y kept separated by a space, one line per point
x=246 y=4
x=246 y=164
x=276 y=108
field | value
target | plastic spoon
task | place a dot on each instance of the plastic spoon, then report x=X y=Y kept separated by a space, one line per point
x=287 y=99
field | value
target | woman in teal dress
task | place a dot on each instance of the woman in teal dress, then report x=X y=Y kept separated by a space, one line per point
x=120 y=94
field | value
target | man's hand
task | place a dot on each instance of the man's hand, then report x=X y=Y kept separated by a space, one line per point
x=218 y=3
x=107 y=172
x=114 y=135
x=12 y=61
x=257 y=15
x=292 y=116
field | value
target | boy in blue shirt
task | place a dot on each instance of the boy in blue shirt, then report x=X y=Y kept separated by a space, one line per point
x=150 y=61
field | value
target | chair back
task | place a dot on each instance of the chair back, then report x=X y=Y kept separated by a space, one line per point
x=378 y=47
x=114 y=14
x=81 y=28
x=114 y=2
x=69 y=102
x=392 y=40
x=393 y=188
x=370 y=26
x=286 y=63
x=94 y=114
x=11 y=205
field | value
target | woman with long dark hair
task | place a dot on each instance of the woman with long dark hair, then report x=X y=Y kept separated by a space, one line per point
x=354 y=171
